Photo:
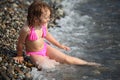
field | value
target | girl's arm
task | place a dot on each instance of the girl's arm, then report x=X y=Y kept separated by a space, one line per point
x=51 y=39
x=21 y=40
x=20 y=44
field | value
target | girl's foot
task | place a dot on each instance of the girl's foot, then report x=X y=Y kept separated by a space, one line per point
x=93 y=64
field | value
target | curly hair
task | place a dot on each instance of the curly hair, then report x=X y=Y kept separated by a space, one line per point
x=35 y=10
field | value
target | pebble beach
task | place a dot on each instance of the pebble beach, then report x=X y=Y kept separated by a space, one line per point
x=12 y=17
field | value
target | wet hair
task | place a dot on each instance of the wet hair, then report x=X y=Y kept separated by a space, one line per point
x=35 y=10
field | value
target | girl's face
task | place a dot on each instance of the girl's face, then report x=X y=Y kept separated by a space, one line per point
x=45 y=17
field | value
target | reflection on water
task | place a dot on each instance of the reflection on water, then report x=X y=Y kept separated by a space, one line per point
x=91 y=29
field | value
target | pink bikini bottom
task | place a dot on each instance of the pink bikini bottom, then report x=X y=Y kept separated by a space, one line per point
x=42 y=52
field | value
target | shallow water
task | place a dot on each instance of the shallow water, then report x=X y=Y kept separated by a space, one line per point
x=91 y=29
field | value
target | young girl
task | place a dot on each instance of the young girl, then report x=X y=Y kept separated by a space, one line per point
x=33 y=34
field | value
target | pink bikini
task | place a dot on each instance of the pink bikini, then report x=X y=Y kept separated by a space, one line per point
x=33 y=37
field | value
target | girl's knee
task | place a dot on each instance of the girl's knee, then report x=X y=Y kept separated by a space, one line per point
x=68 y=60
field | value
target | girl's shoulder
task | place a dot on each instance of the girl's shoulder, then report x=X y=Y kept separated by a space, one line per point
x=25 y=29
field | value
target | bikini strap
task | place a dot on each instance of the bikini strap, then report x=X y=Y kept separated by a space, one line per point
x=44 y=29
x=32 y=35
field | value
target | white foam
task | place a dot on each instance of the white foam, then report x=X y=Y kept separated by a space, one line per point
x=47 y=64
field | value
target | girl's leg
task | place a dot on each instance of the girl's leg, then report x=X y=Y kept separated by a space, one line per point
x=63 y=58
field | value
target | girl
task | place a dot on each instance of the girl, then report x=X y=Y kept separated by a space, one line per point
x=33 y=34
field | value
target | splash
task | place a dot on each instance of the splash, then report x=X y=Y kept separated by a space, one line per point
x=47 y=64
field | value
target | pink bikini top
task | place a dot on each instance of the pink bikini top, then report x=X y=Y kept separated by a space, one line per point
x=33 y=35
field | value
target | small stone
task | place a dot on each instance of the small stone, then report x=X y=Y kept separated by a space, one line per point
x=28 y=75
x=0 y=59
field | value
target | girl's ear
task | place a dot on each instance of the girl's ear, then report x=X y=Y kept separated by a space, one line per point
x=36 y=19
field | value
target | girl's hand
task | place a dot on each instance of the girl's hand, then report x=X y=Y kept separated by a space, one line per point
x=19 y=59
x=65 y=48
